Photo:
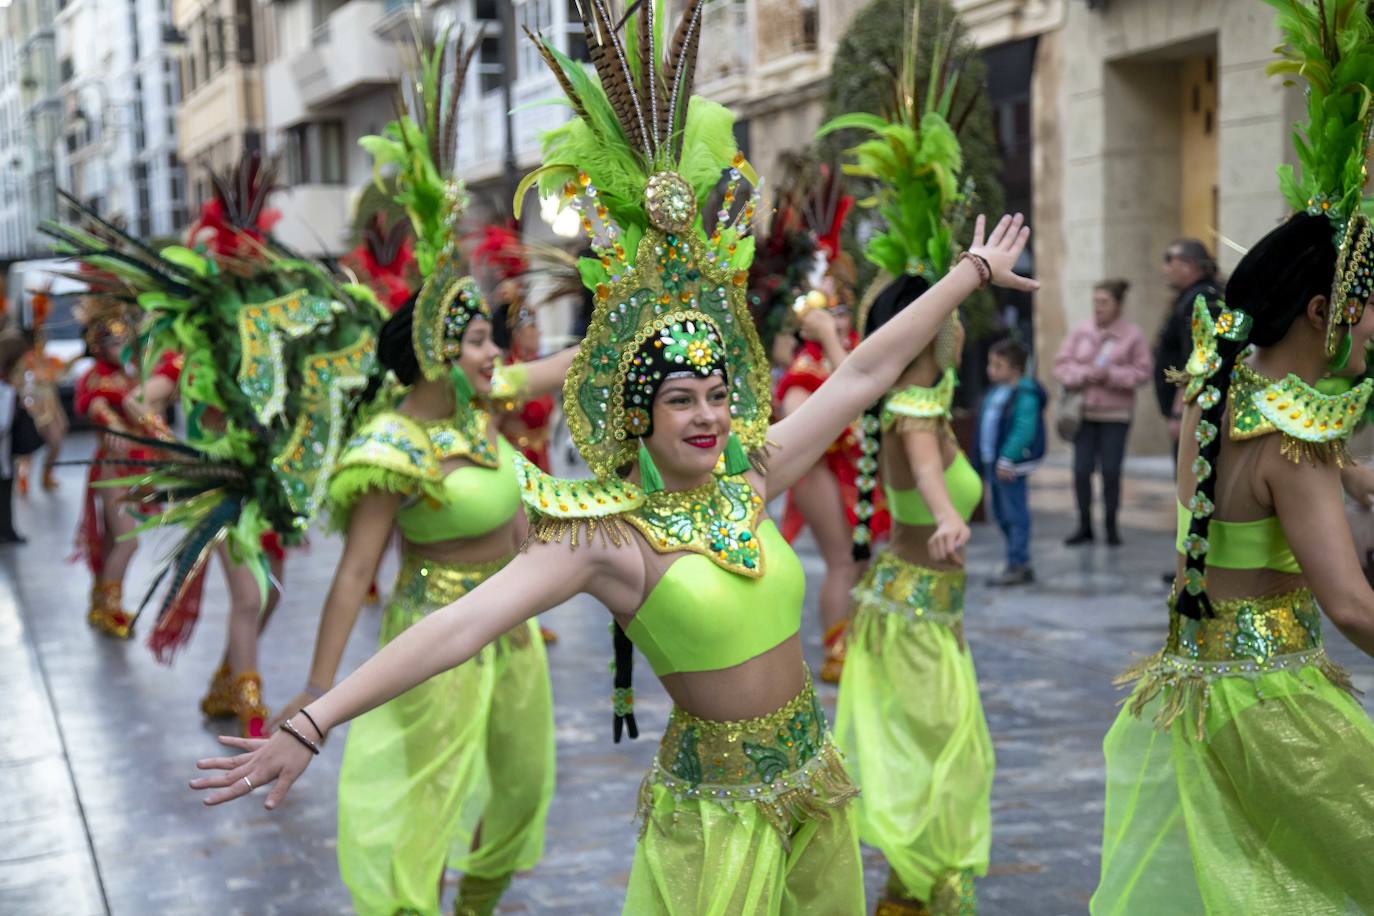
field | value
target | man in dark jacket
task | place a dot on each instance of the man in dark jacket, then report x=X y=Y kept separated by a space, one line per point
x=1190 y=272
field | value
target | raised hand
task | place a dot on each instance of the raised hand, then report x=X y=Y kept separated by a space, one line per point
x=277 y=762
x=1002 y=249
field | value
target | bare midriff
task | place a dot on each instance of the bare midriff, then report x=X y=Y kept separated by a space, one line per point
x=752 y=688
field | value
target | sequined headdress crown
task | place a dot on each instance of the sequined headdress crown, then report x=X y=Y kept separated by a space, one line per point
x=421 y=144
x=639 y=160
x=1330 y=45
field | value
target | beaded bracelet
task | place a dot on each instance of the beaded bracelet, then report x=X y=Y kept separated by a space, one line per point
x=311 y=719
x=981 y=265
x=291 y=730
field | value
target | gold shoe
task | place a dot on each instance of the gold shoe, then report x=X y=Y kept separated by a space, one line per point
x=107 y=614
x=891 y=907
x=218 y=702
x=834 y=643
x=479 y=896
x=246 y=697
x=549 y=636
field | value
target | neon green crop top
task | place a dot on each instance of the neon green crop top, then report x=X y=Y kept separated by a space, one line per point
x=929 y=408
x=737 y=597
x=395 y=453
x=1242 y=545
x=475 y=500
x=699 y=617
x=965 y=492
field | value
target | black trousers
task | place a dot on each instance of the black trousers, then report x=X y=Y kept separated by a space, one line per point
x=1099 y=446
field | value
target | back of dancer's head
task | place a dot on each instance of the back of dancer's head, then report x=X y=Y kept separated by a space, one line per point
x=396 y=346
x=897 y=295
x=1273 y=284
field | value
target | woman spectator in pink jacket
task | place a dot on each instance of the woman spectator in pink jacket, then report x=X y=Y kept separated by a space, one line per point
x=1107 y=359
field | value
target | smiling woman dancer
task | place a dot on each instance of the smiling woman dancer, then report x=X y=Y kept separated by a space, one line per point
x=1240 y=776
x=748 y=797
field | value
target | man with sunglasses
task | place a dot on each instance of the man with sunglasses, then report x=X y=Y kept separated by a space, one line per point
x=1190 y=272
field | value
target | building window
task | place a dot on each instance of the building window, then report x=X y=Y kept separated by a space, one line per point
x=332 y=152
x=243 y=20
x=298 y=154
x=66 y=69
x=576 y=46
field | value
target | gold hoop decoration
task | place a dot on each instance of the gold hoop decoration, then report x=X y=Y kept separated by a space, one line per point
x=447 y=303
x=673 y=276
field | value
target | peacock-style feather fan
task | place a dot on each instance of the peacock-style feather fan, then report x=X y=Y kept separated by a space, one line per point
x=914 y=159
x=276 y=351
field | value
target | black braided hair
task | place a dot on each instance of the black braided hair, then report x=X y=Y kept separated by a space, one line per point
x=623 y=670
x=1273 y=283
x=896 y=296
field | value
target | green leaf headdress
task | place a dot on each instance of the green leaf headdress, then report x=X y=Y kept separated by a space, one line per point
x=420 y=145
x=1330 y=45
x=914 y=160
x=640 y=161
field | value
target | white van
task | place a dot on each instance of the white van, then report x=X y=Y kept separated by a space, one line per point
x=62 y=332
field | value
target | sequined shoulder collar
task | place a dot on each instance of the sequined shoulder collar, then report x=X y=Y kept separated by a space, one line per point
x=1320 y=422
x=917 y=402
x=717 y=520
x=464 y=435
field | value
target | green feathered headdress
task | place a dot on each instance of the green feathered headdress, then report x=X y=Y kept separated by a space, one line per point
x=1329 y=44
x=641 y=159
x=914 y=160
x=421 y=145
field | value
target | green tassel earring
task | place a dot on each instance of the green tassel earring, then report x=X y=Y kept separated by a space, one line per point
x=462 y=388
x=736 y=459
x=1338 y=362
x=649 y=479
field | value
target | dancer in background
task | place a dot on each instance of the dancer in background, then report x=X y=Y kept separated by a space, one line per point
x=35 y=378
x=909 y=717
x=826 y=499
x=1240 y=774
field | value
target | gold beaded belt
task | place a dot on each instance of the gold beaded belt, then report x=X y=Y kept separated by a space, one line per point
x=784 y=763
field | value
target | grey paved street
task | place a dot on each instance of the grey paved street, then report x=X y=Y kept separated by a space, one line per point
x=97 y=740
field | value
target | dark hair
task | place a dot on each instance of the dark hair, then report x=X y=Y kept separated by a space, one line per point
x=500 y=326
x=1196 y=253
x=894 y=297
x=1114 y=288
x=395 y=351
x=1273 y=284
x=1010 y=350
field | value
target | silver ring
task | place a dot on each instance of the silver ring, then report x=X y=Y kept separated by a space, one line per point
x=249 y=783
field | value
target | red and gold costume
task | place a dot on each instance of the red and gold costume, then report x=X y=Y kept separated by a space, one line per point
x=808 y=371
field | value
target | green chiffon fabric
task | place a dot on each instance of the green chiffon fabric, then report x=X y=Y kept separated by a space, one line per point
x=747 y=818
x=1240 y=784
x=911 y=724
x=457 y=772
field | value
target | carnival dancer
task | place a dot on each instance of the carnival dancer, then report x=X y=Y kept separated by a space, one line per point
x=747 y=807
x=826 y=499
x=36 y=378
x=459 y=771
x=1240 y=774
x=909 y=717
x=272 y=352
x=109 y=395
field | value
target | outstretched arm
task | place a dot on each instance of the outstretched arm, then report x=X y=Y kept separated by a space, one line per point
x=545 y=376
x=537 y=579
x=802 y=437
x=369 y=528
